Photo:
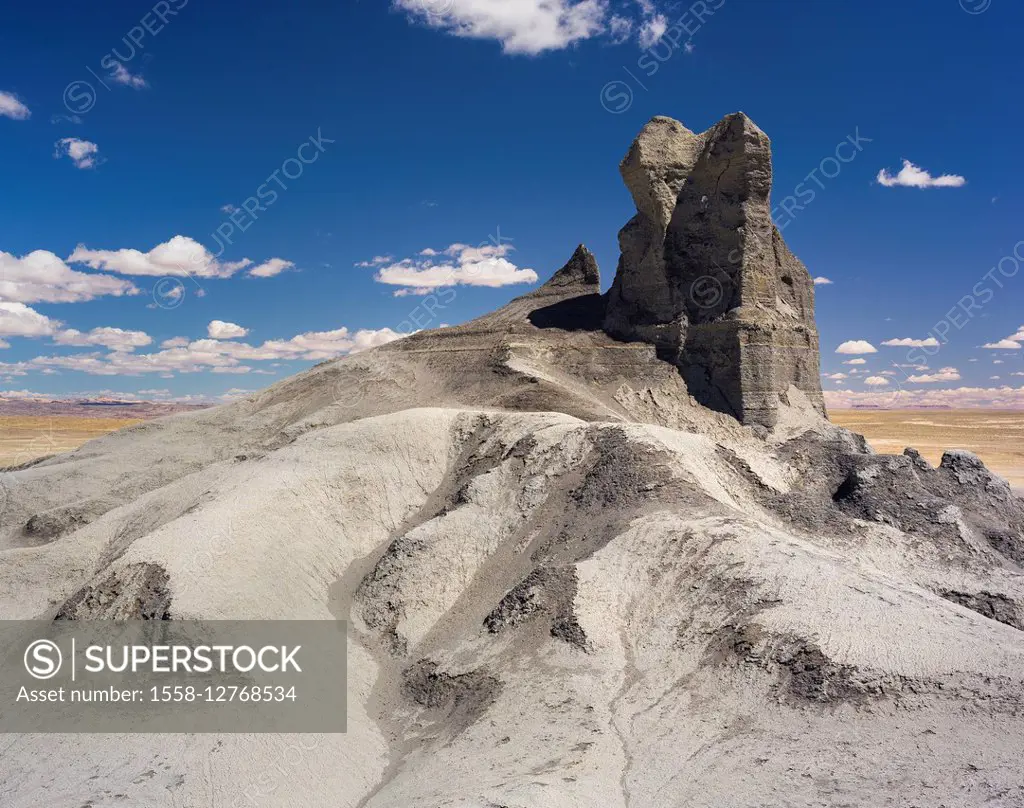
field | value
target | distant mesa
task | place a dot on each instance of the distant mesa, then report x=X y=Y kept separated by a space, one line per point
x=108 y=403
x=89 y=408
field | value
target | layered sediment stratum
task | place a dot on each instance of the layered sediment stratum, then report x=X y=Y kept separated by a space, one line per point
x=705 y=274
x=570 y=583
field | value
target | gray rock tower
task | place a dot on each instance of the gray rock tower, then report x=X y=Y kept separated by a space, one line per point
x=705 y=275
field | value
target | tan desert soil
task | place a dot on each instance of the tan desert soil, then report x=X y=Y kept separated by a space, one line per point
x=997 y=436
x=26 y=438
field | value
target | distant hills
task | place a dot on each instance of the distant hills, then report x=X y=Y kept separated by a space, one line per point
x=92 y=408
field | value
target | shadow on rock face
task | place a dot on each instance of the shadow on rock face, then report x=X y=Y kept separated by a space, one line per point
x=584 y=313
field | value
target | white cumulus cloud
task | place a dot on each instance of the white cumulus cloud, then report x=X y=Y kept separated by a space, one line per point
x=180 y=256
x=201 y=355
x=521 y=26
x=1003 y=345
x=42 y=277
x=911 y=176
x=268 y=269
x=83 y=153
x=856 y=346
x=218 y=329
x=19 y=320
x=12 y=107
x=876 y=381
x=459 y=265
x=907 y=342
x=942 y=375
x=116 y=339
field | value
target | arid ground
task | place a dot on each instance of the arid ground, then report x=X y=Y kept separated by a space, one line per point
x=27 y=438
x=995 y=436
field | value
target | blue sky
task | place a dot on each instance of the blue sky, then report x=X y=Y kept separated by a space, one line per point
x=475 y=143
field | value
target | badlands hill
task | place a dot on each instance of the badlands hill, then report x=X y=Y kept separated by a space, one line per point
x=596 y=550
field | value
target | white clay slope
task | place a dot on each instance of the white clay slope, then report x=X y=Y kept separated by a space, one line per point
x=684 y=649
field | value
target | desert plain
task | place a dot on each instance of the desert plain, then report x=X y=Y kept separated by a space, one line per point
x=27 y=438
x=996 y=436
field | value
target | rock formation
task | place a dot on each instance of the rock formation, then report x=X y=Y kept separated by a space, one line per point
x=567 y=583
x=705 y=275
